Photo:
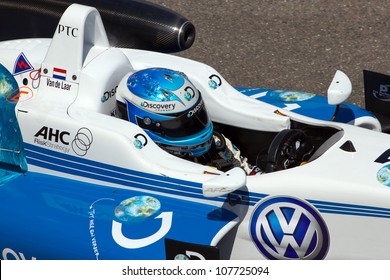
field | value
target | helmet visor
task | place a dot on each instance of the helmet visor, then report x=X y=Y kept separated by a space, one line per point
x=183 y=125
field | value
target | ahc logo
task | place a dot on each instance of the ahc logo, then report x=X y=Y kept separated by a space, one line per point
x=288 y=228
x=60 y=140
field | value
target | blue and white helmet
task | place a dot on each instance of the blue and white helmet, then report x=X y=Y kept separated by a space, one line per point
x=169 y=108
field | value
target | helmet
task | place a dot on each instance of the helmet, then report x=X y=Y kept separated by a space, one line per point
x=169 y=108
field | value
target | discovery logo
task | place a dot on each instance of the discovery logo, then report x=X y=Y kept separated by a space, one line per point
x=289 y=228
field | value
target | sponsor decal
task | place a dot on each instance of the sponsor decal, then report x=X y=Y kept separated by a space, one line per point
x=131 y=212
x=289 y=228
x=24 y=93
x=177 y=250
x=108 y=94
x=158 y=106
x=383 y=93
x=383 y=175
x=59 y=73
x=384 y=157
x=92 y=222
x=58 y=84
x=10 y=254
x=189 y=93
x=94 y=243
x=68 y=30
x=35 y=77
x=140 y=141
x=137 y=208
x=55 y=135
x=196 y=109
x=291 y=96
x=61 y=140
x=215 y=81
x=82 y=141
x=22 y=65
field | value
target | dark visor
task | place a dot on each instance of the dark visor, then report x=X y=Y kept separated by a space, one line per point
x=188 y=123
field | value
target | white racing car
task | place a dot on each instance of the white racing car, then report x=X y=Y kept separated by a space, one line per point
x=121 y=153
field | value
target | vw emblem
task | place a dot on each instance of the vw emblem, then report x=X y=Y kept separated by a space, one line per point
x=289 y=228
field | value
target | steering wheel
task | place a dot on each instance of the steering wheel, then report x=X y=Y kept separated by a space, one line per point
x=288 y=149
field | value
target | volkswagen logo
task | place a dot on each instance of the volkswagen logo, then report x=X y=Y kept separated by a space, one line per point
x=289 y=228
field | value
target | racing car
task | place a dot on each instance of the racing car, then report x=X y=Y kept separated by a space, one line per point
x=84 y=174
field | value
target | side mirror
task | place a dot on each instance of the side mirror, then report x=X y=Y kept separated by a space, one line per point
x=225 y=183
x=340 y=88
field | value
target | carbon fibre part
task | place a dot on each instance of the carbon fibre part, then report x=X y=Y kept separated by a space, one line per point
x=129 y=23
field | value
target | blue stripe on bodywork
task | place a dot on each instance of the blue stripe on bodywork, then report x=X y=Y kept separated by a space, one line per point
x=149 y=182
x=333 y=207
x=108 y=173
x=351 y=209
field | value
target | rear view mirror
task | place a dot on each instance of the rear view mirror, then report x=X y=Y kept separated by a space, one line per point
x=225 y=183
x=340 y=88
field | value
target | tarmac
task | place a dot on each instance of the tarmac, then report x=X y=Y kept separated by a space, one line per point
x=290 y=45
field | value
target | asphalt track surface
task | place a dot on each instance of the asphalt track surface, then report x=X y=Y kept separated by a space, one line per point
x=294 y=45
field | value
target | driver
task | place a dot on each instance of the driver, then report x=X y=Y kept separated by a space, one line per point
x=172 y=112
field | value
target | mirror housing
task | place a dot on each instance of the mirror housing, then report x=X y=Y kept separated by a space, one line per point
x=339 y=89
x=225 y=183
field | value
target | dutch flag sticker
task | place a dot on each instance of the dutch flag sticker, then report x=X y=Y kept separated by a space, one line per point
x=59 y=73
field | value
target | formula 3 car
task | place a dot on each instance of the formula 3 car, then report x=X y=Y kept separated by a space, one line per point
x=77 y=182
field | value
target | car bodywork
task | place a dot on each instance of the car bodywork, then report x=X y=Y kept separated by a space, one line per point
x=78 y=183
